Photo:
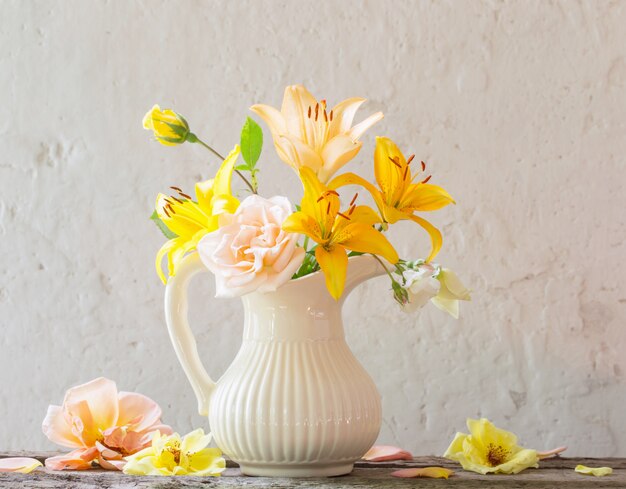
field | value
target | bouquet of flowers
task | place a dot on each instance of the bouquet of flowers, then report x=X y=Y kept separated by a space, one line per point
x=254 y=243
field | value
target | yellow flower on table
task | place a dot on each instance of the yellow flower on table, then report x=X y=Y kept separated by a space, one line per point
x=308 y=134
x=169 y=128
x=171 y=455
x=336 y=232
x=397 y=197
x=488 y=449
x=190 y=220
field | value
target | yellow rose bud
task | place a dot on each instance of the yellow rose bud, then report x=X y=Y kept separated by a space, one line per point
x=168 y=127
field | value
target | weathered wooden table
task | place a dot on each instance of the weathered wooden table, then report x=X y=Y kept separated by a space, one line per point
x=554 y=473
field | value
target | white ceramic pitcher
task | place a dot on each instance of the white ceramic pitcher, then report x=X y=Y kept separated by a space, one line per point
x=295 y=401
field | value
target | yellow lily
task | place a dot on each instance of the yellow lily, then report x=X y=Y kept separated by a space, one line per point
x=190 y=220
x=307 y=134
x=398 y=197
x=336 y=232
x=169 y=128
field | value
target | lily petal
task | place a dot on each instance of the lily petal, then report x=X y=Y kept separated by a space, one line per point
x=221 y=183
x=381 y=453
x=334 y=265
x=365 y=239
x=296 y=103
x=343 y=115
x=300 y=154
x=426 y=197
x=336 y=153
x=299 y=222
x=272 y=117
x=357 y=131
x=434 y=233
x=24 y=465
x=431 y=472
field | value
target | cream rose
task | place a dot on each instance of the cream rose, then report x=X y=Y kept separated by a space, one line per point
x=252 y=252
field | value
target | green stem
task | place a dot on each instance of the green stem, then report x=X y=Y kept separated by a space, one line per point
x=196 y=139
x=384 y=266
x=305 y=245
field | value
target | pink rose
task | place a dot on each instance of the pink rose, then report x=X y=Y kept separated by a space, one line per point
x=252 y=252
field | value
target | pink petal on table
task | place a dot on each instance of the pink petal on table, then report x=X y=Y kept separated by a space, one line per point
x=79 y=459
x=111 y=464
x=432 y=472
x=19 y=464
x=381 y=453
x=551 y=453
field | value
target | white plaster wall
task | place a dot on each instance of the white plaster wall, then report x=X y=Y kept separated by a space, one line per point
x=519 y=108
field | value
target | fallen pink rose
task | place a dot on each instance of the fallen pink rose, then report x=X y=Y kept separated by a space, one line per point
x=23 y=465
x=382 y=453
x=101 y=425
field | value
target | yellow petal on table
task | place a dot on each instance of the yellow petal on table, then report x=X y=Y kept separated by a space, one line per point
x=382 y=453
x=334 y=264
x=431 y=472
x=23 y=465
x=598 y=471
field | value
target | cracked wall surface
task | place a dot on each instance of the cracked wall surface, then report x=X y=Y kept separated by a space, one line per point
x=519 y=108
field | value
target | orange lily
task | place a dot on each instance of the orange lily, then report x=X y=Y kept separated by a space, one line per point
x=398 y=197
x=189 y=220
x=336 y=232
x=308 y=133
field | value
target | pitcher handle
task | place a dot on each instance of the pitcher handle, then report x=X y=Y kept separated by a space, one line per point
x=176 y=307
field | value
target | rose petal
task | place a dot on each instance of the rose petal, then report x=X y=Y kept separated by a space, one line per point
x=597 y=471
x=137 y=410
x=101 y=397
x=111 y=464
x=75 y=460
x=432 y=472
x=380 y=453
x=23 y=465
x=57 y=430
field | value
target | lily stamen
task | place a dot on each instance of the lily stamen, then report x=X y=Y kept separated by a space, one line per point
x=177 y=200
x=176 y=188
x=317 y=110
x=331 y=116
x=427 y=178
x=343 y=215
x=406 y=170
x=309 y=113
x=408 y=162
x=351 y=210
x=166 y=213
x=395 y=161
x=328 y=208
x=188 y=197
x=423 y=166
x=353 y=199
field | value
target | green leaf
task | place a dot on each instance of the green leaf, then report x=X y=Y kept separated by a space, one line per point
x=243 y=168
x=161 y=225
x=251 y=142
